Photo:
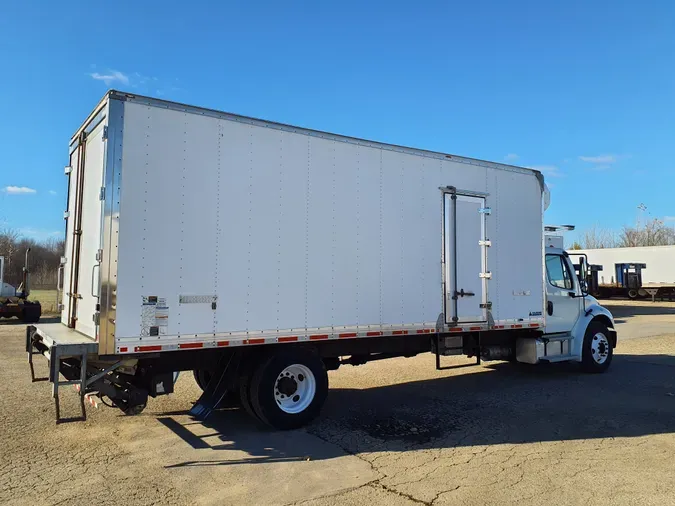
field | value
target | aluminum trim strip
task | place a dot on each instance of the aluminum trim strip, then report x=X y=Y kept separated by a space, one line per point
x=165 y=104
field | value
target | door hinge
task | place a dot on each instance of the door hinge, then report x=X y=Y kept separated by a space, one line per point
x=67 y=169
x=485 y=210
x=487 y=305
x=101 y=193
x=99 y=255
x=66 y=214
x=485 y=243
x=97 y=318
x=485 y=275
x=105 y=133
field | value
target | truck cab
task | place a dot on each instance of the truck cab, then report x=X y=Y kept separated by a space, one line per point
x=577 y=327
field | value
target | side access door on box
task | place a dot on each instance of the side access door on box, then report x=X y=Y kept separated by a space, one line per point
x=79 y=281
x=464 y=257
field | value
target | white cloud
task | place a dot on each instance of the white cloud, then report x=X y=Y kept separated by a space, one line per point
x=112 y=76
x=669 y=218
x=18 y=190
x=601 y=167
x=52 y=192
x=149 y=85
x=548 y=170
x=601 y=159
x=511 y=157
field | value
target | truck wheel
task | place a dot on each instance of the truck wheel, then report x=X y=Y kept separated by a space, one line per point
x=597 y=350
x=202 y=378
x=289 y=389
x=245 y=393
x=31 y=313
x=632 y=294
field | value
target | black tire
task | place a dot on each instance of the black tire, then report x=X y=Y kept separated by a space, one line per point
x=593 y=339
x=265 y=388
x=245 y=393
x=31 y=313
x=202 y=378
x=632 y=294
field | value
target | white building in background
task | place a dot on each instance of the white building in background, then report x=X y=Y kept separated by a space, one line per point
x=660 y=261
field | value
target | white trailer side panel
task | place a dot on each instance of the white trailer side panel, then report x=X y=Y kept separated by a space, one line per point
x=292 y=230
x=660 y=262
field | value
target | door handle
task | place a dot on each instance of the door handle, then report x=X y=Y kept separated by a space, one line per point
x=93 y=270
x=462 y=293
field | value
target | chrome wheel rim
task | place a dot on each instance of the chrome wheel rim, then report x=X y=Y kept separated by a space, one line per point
x=600 y=348
x=294 y=389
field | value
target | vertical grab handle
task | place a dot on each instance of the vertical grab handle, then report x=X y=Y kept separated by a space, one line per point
x=93 y=286
x=59 y=286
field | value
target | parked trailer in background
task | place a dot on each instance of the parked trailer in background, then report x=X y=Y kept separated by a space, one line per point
x=261 y=255
x=635 y=272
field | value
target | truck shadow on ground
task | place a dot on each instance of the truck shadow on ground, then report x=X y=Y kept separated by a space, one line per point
x=626 y=311
x=494 y=404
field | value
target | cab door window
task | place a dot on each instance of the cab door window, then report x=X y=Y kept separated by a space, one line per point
x=558 y=272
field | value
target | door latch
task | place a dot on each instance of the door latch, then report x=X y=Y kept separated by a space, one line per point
x=462 y=293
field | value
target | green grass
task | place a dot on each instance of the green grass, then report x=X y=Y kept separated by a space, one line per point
x=47 y=300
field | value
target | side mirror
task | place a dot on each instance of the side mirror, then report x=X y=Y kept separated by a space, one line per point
x=583 y=275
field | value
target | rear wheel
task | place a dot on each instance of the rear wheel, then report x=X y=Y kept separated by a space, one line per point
x=289 y=389
x=202 y=378
x=597 y=350
x=632 y=294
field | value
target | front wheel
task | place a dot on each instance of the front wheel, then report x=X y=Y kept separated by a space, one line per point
x=289 y=389
x=597 y=350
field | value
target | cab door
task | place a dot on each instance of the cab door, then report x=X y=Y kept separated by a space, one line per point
x=563 y=297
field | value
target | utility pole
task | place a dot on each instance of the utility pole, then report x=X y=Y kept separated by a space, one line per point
x=641 y=209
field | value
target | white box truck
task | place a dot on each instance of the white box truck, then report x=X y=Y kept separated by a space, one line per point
x=261 y=255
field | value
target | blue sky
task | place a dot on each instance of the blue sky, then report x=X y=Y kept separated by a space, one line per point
x=585 y=91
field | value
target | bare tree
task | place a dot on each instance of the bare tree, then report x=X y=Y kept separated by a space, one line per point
x=596 y=237
x=8 y=243
x=653 y=233
x=44 y=258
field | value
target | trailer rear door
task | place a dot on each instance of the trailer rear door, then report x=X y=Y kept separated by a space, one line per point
x=465 y=258
x=81 y=279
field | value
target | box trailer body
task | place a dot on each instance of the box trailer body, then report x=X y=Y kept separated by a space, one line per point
x=643 y=271
x=659 y=260
x=217 y=228
x=192 y=232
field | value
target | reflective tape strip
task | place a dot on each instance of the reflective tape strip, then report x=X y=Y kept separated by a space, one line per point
x=287 y=339
x=348 y=334
x=320 y=337
x=189 y=346
x=155 y=347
